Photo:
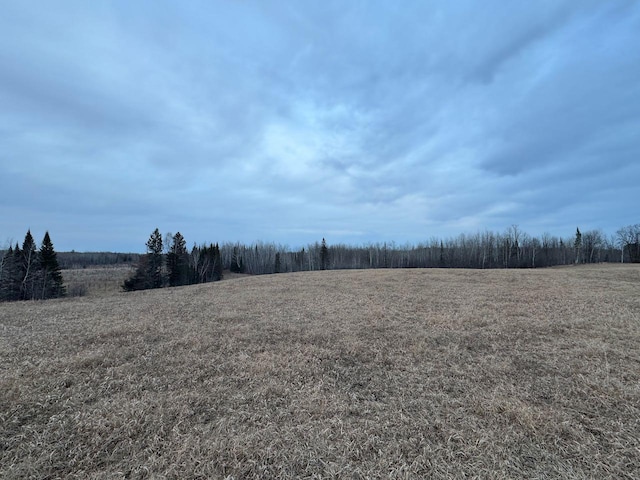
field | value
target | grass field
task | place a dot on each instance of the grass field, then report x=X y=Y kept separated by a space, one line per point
x=335 y=374
x=96 y=281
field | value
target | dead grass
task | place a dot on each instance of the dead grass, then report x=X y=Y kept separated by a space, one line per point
x=96 y=281
x=346 y=374
x=108 y=279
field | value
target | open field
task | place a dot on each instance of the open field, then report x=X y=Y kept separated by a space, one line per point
x=96 y=281
x=107 y=280
x=335 y=374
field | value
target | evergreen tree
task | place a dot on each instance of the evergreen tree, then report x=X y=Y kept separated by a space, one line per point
x=29 y=269
x=154 y=261
x=213 y=263
x=324 y=255
x=301 y=263
x=217 y=266
x=194 y=264
x=205 y=263
x=278 y=266
x=4 y=272
x=27 y=274
x=52 y=285
x=10 y=276
x=515 y=252
x=208 y=263
x=178 y=261
x=577 y=245
x=148 y=273
x=140 y=279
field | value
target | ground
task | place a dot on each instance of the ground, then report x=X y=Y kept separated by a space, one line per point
x=333 y=374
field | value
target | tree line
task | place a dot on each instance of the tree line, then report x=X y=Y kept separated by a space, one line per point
x=510 y=249
x=175 y=265
x=29 y=273
x=75 y=260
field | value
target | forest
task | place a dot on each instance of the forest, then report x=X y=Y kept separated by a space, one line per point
x=170 y=263
x=29 y=273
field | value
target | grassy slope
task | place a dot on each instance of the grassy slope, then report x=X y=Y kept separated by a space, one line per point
x=349 y=374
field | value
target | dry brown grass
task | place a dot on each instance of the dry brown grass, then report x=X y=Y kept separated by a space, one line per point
x=345 y=374
x=107 y=280
x=96 y=281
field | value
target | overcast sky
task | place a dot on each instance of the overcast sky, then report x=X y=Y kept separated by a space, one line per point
x=291 y=121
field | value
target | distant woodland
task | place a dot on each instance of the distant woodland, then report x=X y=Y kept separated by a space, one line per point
x=29 y=273
x=168 y=262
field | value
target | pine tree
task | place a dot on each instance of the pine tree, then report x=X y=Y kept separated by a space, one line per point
x=324 y=255
x=4 y=261
x=154 y=261
x=29 y=270
x=178 y=261
x=208 y=257
x=278 y=266
x=4 y=270
x=140 y=278
x=148 y=274
x=52 y=285
x=10 y=276
x=577 y=245
x=217 y=266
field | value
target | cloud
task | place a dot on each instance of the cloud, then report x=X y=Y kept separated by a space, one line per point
x=280 y=121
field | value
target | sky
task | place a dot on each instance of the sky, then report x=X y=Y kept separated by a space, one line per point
x=287 y=122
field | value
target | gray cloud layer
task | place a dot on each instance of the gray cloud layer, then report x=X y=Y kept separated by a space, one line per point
x=288 y=122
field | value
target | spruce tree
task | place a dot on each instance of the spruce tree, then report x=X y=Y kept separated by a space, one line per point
x=148 y=274
x=208 y=263
x=278 y=266
x=578 y=245
x=4 y=262
x=217 y=266
x=178 y=261
x=10 y=277
x=52 y=285
x=29 y=269
x=154 y=261
x=17 y=273
x=324 y=255
x=140 y=278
